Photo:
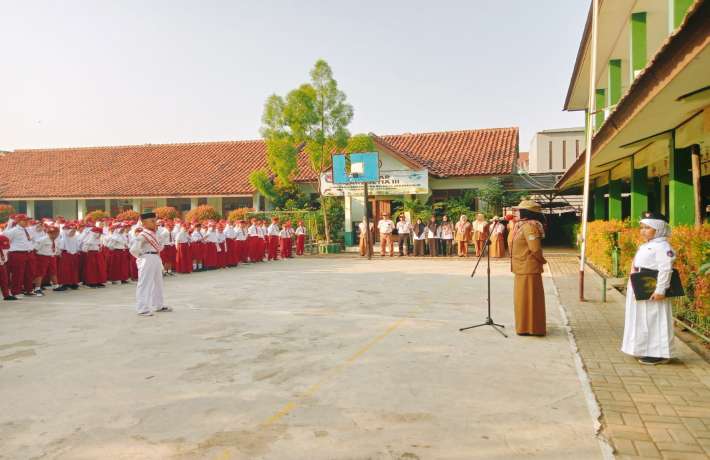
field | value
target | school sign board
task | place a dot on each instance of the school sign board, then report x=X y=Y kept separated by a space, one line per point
x=404 y=182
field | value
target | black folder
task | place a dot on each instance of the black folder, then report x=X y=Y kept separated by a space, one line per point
x=643 y=283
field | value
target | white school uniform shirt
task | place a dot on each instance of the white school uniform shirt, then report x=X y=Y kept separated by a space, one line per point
x=141 y=244
x=20 y=239
x=211 y=236
x=68 y=243
x=229 y=232
x=273 y=230
x=91 y=242
x=165 y=236
x=240 y=234
x=253 y=230
x=44 y=246
x=182 y=236
x=284 y=233
x=117 y=241
x=300 y=230
x=196 y=236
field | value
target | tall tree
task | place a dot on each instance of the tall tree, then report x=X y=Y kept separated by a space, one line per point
x=281 y=148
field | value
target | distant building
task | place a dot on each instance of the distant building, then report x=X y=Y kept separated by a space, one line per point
x=554 y=150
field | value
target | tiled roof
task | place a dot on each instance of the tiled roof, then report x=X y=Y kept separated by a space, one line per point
x=223 y=168
x=479 y=152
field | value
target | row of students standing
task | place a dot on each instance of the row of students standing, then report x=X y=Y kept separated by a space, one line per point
x=62 y=254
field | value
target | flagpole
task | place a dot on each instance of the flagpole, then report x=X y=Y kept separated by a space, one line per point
x=591 y=111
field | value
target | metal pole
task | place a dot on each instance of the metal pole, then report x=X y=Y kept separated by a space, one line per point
x=367 y=226
x=588 y=151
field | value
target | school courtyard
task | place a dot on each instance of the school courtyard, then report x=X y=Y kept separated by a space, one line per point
x=335 y=357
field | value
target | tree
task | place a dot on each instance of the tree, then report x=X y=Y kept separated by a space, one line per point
x=281 y=148
x=360 y=143
x=319 y=115
x=496 y=197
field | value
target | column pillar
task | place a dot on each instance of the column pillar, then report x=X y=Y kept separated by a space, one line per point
x=30 y=207
x=136 y=204
x=255 y=202
x=615 y=212
x=614 y=81
x=599 y=205
x=637 y=49
x=80 y=209
x=193 y=203
x=639 y=191
x=107 y=206
x=676 y=13
x=599 y=107
x=680 y=186
x=349 y=236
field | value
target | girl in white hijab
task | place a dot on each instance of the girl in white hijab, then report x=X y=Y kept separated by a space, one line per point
x=648 y=325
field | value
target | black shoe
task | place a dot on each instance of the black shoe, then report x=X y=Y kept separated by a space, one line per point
x=73 y=287
x=10 y=297
x=100 y=285
x=29 y=294
x=649 y=361
x=125 y=282
x=60 y=288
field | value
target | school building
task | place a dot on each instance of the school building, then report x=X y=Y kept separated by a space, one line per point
x=73 y=181
x=651 y=117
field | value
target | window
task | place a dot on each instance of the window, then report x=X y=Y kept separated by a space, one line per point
x=576 y=148
x=564 y=154
x=549 y=155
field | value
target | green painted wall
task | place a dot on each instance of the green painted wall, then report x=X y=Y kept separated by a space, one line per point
x=638 y=43
x=614 y=81
x=615 y=206
x=680 y=7
x=639 y=192
x=599 y=106
x=599 y=204
x=680 y=187
x=349 y=238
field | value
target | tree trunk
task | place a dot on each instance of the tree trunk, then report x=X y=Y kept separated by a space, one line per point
x=326 y=226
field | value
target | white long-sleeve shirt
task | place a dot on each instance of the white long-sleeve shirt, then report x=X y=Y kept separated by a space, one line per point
x=20 y=239
x=45 y=246
x=656 y=254
x=68 y=243
x=144 y=243
x=273 y=230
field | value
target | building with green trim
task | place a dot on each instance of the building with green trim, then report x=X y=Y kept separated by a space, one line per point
x=651 y=126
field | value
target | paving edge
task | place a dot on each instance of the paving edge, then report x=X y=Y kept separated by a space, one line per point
x=592 y=404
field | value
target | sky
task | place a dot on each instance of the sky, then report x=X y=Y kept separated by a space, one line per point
x=86 y=73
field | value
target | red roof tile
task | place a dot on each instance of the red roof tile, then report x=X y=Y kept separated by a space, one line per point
x=480 y=152
x=223 y=168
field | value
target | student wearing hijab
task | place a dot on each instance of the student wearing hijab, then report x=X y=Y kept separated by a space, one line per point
x=497 y=245
x=526 y=262
x=463 y=235
x=419 y=234
x=648 y=324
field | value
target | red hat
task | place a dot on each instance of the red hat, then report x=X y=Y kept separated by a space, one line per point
x=96 y=230
x=4 y=242
x=20 y=217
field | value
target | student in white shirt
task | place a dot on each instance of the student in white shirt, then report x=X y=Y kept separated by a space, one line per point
x=385 y=226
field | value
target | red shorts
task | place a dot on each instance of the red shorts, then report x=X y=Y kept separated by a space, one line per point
x=45 y=266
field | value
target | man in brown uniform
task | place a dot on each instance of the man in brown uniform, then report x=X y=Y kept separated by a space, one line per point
x=526 y=261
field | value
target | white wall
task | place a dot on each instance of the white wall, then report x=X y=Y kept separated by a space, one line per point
x=540 y=151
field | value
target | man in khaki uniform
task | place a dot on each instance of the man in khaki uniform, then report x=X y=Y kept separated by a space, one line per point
x=385 y=227
x=526 y=262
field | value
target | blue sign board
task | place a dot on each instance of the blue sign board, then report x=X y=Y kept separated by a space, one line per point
x=356 y=168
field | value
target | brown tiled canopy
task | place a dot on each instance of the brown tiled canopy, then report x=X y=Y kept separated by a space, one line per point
x=223 y=168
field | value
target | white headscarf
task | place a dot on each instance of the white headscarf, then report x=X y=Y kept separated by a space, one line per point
x=660 y=226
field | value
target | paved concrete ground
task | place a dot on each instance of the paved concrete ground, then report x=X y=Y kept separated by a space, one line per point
x=316 y=358
x=647 y=412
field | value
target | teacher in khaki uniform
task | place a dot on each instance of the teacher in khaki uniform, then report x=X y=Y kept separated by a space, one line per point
x=526 y=261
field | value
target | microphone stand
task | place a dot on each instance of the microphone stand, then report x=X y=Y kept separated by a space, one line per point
x=489 y=321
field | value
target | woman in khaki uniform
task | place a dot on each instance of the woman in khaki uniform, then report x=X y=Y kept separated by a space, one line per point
x=463 y=235
x=480 y=233
x=526 y=261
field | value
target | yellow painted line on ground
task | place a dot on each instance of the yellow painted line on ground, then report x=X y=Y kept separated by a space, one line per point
x=311 y=390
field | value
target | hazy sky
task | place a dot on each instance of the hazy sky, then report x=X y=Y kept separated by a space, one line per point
x=77 y=73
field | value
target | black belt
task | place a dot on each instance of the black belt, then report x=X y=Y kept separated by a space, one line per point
x=152 y=252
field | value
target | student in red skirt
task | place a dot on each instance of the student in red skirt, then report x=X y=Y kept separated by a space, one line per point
x=167 y=255
x=253 y=241
x=263 y=247
x=68 y=263
x=300 y=238
x=230 y=238
x=221 y=246
x=21 y=255
x=4 y=280
x=117 y=246
x=94 y=263
x=241 y=240
x=210 y=244
x=285 y=237
x=183 y=255
x=197 y=247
